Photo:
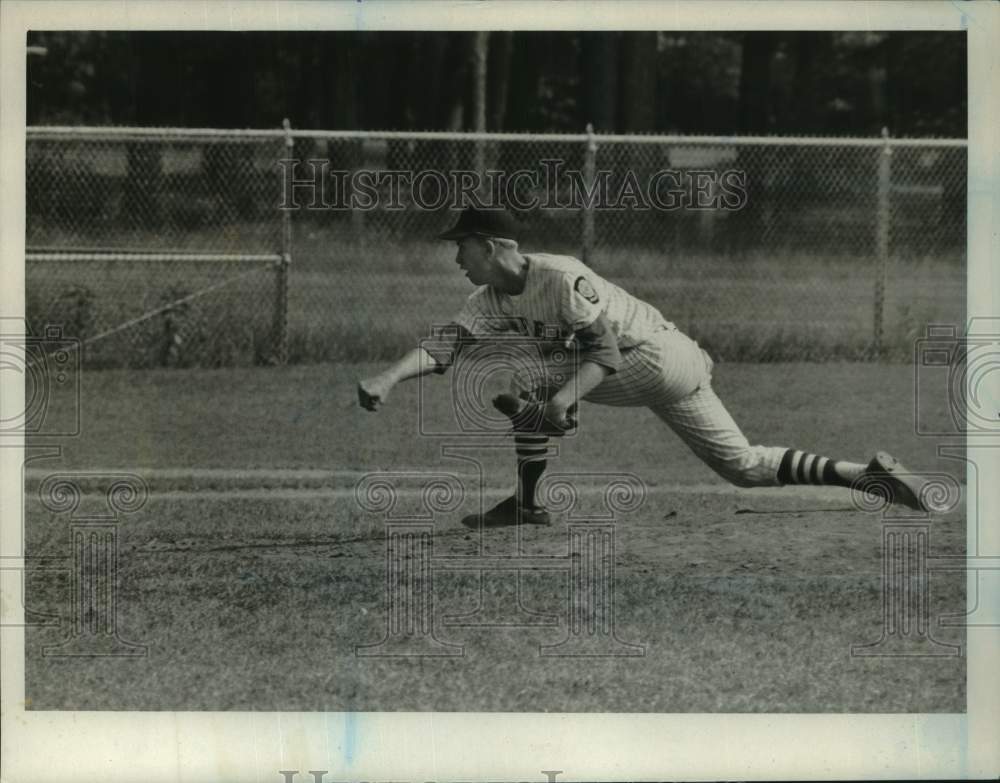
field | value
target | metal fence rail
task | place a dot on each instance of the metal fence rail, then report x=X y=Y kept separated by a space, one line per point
x=164 y=246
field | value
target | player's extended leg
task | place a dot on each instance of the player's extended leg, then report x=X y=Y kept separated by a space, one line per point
x=800 y=467
x=702 y=421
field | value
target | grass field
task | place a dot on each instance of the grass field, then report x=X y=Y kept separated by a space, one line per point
x=352 y=302
x=251 y=573
x=790 y=307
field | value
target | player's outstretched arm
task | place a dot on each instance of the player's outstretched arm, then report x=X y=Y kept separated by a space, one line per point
x=374 y=391
x=588 y=377
x=599 y=356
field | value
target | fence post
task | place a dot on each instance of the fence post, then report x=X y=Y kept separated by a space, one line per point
x=589 y=176
x=883 y=222
x=280 y=330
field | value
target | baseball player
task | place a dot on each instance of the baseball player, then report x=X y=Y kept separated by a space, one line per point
x=627 y=354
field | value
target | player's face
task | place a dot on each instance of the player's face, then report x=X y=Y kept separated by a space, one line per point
x=474 y=259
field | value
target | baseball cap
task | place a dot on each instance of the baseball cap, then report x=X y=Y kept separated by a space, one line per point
x=473 y=221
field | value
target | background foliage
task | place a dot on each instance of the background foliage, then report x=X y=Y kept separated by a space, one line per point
x=689 y=82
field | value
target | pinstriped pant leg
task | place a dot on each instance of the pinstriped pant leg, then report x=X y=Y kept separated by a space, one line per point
x=671 y=375
x=704 y=424
x=667 y=368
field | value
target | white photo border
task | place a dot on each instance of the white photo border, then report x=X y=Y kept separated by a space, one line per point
x=153 y=746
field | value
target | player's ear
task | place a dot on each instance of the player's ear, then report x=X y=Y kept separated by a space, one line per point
x=491 y=248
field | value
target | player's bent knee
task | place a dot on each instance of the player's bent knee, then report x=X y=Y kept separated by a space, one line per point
x=742 y=479
x=747 y=469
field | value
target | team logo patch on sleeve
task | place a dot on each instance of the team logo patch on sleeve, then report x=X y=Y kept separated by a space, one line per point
x=586 y=290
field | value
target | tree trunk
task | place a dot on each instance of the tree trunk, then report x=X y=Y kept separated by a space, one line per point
x=812 y=54
x=522 y=99
x=638 y=82
x=600 y=79
x=480 y=58
x=457 y=80
x=479 y=83
x=337 y=90
x=427 y=79
x=412 y=75
x=754 y=112
x=501 y=49
x=145 y=158
x=897 y=107
x=637 y=113
x=327 y=81
x=755 y=82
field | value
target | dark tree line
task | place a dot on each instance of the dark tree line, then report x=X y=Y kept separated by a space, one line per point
x=914 y=83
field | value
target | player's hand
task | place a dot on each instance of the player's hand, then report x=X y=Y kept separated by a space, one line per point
x=558 y=415
x=550 y=419
x=372 y=392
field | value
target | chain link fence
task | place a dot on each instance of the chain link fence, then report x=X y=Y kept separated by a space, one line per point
x=155 y=248
x=171 y=247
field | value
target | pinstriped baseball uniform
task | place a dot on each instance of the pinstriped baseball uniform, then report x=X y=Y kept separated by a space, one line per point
x=661 y=368
x=551 y=297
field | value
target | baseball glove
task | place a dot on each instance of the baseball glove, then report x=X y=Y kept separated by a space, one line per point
x=529 y=417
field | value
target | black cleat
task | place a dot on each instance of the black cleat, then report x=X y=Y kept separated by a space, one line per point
x=885 y=477
x=507 y=513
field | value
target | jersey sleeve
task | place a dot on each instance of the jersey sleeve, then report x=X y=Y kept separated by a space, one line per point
x=445 y=344
x=582 y=311
x=580 y=302
x=477 y=319
x=599 y=345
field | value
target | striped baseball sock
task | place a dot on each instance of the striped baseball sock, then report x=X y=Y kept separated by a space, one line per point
x=531 y=451
x=801 y=467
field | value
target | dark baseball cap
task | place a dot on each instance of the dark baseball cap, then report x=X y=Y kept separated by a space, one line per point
x=473 y=221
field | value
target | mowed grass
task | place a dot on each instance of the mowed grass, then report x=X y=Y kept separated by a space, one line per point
x=362 y=301
x=780 y=306
x=307 y=416
x=260 y=605
x=742 y=600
